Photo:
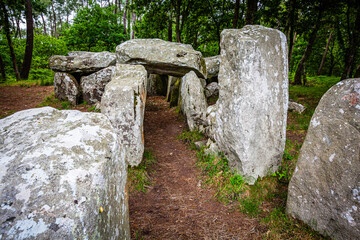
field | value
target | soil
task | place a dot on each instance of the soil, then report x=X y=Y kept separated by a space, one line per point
x=178 y=205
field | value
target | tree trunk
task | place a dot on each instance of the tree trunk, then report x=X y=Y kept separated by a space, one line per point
x=25 y=68
x=251 y=6
x=17 y=20
x=132 y=23
x=351 y=51
x=116 y=3
x=8 y=37
x=169 y=32
x=2 y=69
x=125 y=16
x=54 y=19
x=178 y=5
x=325 y=53
x=236 y=14
x=297 y=78
x=44 y=24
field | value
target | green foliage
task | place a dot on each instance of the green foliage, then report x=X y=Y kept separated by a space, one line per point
x=95 y=29
x=49 y=101
x=92 y=109
x=190 y=137
x=139 y=177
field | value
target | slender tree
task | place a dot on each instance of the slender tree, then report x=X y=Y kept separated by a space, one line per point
x=236 y=14
x=251 y=6
x=8 y=37
x=2 y=69
x=325 y=53
x=25 y=68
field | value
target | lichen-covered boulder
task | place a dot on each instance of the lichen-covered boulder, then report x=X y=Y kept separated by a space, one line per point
x=253 y=99
x=66 y=88
x=58 y=168
x=193 y=102
x=212 y=66
x=162 y=57
x=83 y=62
x=211 y=120
x=123 y=103
x=212 y=90
x=294 y=106
x=93 y=85
x=324 y=191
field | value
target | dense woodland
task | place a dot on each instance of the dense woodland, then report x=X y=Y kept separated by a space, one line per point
x=323 y=35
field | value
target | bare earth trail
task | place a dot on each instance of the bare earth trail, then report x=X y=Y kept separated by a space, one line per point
x=177 y=206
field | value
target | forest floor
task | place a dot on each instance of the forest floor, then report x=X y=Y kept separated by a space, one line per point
x=178 y=204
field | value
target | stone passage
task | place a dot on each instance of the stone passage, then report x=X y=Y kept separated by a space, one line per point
x=324 y=191
x=253 y=99
x=57 y=169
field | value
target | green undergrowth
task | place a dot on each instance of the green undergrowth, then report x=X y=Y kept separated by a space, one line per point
x=139 y=177
x=264 y=201
x=51 y=101
x=37 y=77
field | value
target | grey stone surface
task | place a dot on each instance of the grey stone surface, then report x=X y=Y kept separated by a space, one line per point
x=212 y=66
x=212 y=89
x=78 y=53
x=253 y=99
x=87 y=62
x=171 y=82
x=324 y=191
x=162 y=57
x=294 y=106
x=157 y=85
x=123 y=103
x=93 y=85
x=210 y=130
x=66 y=88
x=193 y=102
x=57 y=169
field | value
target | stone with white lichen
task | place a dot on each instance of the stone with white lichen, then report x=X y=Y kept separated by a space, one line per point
x=253 y=99
x=57 y=169
x=66 y=88
x=324 y=191
x=123 y=103
x=162 y=57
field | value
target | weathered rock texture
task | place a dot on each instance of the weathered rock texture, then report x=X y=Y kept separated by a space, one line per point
x=324 y=191
x=66 y=88
x=123 y=103
x=212 y=90
x=171 y=82
x=193 y=103
x=82 y=62
x=212 y=66
x=157 y=85
x=93 y=85
x=162 y=57
x=294 y=106
x=253 y=99
x=57 y=169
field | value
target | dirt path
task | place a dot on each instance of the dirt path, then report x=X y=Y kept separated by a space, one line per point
x=177 y=206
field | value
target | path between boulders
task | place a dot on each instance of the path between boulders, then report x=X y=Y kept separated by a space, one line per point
x=178 y=205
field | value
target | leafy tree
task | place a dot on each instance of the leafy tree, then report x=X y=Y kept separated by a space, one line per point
x=95 y=29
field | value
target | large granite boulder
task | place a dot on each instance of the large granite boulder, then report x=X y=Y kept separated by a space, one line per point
x=66 y=88
x=193 y=102
x=324 y=191
x=93 y=85
x=82 y=62
x=253 y=99
x=162 y=57
x=123 y=103
x=58 y=168
x=212 y=66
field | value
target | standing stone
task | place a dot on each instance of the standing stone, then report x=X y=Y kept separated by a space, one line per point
x=324 y=191
x=171 y=82
x=93 y=85
x=253 y=99
x=175 y=98
x=82 y=62
x=123 y=103
x=212 y=66
x=57 y=169
x=212 y=89
x=66 y=88
x=193 y=103
x=162 y=57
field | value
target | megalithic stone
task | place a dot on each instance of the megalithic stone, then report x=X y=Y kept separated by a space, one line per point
x=253 y=99
x=123 y=102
